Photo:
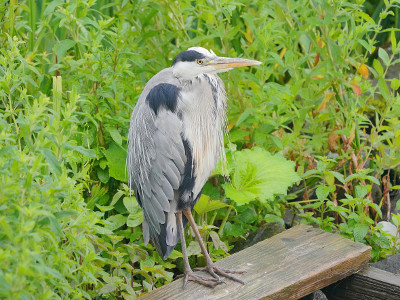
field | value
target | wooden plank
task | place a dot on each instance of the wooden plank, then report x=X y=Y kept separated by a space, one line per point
x=369 y=284
x=289 y=265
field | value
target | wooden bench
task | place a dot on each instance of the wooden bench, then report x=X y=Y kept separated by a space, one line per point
x=289 y=265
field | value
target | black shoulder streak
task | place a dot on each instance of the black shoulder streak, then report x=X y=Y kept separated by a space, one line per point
x=189 y=55
x=163 y=95
x=188 y=181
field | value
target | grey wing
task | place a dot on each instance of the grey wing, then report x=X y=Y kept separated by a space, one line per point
x=155 y=165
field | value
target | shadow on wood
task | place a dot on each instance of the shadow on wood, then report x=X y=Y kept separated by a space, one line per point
x=289 y=265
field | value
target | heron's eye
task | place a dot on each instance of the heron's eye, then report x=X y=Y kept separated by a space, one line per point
x=199 y=61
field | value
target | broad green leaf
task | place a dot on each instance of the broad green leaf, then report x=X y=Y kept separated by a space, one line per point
x=205 y=204
x=395 y=84
x=116 y=157
x=107 y=288
x=115 y=135
x=193 y=248
x=116 y=221
x=360 y=231
x=131 y=204
x=322 y=192
x=361 y=191
x=259 y=175
x=62 y=47
x=51 y=160
x=50 y=6
x=398 y=205
x=269 y=218
x=135 y=219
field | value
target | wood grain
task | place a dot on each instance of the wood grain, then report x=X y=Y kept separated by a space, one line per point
x=289 y=265
x=369 y=284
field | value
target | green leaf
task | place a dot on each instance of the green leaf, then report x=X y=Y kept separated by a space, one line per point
x=395 y=84
x=107 y=288
x=89 y=153
x=131 y=204
x=62 y=47
x=360 y=231
x=378 y=67
x=52 y=161
x=361 y=191
x=116 y=222
x=322 y=192
x=50 y=6
x=260 y=175
x=384 y=56
x=115 y=135
x=193 y=248
x=218 y=244
x=205 y=204
x=269 y=218
x=116 y=157
x=383 y=88
x=398 y=205
x=135 y=219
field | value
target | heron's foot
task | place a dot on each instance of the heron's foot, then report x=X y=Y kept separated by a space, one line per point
x=208 y=282
x=215 y=271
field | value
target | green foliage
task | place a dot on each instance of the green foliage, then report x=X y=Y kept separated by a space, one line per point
x=259 y=175
x=322 y=104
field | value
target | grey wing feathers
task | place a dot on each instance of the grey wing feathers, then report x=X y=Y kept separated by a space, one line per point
x=155 y=165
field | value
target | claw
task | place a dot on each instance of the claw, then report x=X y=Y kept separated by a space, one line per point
x=208 y=282
x=213 y=270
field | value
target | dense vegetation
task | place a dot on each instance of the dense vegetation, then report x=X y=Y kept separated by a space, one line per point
x=322 y=110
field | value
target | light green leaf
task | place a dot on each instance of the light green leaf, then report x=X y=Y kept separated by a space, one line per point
x=62 y=47
x=115 y=135
x=116 y=157
x=135 y=219
x=269 y=218
x=50 y=6
x=378 y=67
x=361 y=191
x=360 y=231
x=89 y=153
x=395 y=84
x=52 y=161
x=116 y=222
x=384 y=56
x=205 y=204
x=217 y=241
x=193 y=248
x=260 y=175
x=131 y=204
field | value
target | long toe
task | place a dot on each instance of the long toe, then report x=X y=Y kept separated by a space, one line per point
x=213 y=270
x=208 y=282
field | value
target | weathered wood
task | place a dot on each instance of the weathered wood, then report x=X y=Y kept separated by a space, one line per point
x=369 y=284
x=289 y=265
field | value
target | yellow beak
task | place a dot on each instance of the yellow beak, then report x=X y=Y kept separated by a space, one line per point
x=230 y=63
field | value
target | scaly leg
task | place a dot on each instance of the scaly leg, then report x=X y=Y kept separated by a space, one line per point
x=210 y=268
x=188 y=273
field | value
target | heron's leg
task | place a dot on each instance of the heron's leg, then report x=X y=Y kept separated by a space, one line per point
x=213 y=270
x=189 y=274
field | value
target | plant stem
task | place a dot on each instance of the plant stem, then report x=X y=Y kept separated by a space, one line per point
x=221 y=228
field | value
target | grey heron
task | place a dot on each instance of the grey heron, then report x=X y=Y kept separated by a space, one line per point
x=175 y=141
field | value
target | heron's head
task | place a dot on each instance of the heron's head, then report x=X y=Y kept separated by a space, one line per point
x=197 y=60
